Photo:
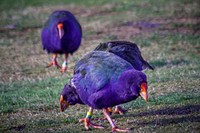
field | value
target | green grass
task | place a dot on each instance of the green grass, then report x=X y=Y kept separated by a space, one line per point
x=10 y=4
x=29 y=92
x=30 y=95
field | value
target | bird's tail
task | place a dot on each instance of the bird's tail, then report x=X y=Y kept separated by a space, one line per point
x=147 y=65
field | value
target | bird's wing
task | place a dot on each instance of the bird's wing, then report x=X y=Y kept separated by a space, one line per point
x=96 y=69
x=128 y=51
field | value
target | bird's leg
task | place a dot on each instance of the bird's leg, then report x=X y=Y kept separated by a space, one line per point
x=114 y=127
x=110 y=111
x=119 y=110
x=65 y=63
x=87 y=120
x=54 y=61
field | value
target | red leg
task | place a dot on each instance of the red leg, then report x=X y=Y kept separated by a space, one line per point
x=110 y=111
x=114 y=127
x=54 y=62
x=119 y=110
x=65 y=64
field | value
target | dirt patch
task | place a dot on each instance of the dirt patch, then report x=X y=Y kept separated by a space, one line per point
x=18 y=128
x=130 y=29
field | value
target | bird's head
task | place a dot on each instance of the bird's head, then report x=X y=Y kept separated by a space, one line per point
x=137 y=81
x=60 y=28
x=68 y=97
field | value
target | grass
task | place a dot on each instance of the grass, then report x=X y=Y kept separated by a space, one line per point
x=167 y=33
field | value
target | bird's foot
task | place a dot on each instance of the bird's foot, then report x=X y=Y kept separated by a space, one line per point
x=88 y=123
x=53 y=63
x=119 y=110
x=116 y=129
x=64 y=67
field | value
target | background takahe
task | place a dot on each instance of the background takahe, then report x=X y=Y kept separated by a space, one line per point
x=61 y=34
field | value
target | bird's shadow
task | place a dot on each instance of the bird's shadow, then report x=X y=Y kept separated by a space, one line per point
x=185 y=113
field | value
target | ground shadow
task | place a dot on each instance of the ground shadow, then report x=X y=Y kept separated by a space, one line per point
x=184 y=111
x=164 y=122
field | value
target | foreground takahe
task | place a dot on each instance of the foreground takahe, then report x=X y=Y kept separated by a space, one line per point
x=61 y=35
x=128 y=51
x=102 y=80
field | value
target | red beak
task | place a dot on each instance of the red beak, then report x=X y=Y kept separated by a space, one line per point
x=60 y=30
x=63 y=104
x=143 y=92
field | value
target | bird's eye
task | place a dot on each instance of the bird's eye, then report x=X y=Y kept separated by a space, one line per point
x=139 y=88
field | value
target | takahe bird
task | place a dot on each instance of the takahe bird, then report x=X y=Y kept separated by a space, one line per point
x=102 y=80
x=128 y=51
x=61 y=34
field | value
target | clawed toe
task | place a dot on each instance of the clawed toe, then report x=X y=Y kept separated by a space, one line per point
x=53 y=63
x=88 y=123
x=116 y=129
x=63 y=69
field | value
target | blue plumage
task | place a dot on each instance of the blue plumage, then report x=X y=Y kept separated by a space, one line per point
x=103 y=80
